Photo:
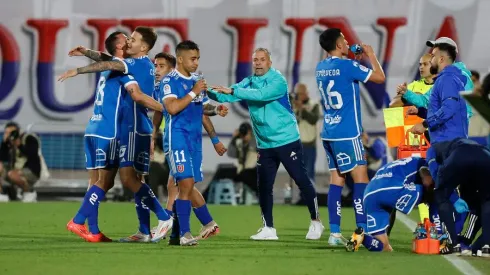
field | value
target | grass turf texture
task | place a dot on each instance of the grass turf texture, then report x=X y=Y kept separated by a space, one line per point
x=34 y=240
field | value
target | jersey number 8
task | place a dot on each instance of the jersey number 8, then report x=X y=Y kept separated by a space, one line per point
x=329 y=102
x=99 y=97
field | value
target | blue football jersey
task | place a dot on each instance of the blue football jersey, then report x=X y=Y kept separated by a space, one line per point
x=401 y=171
x=142 y=71
x=178 y=86
x=103 y=122
x=338 y=84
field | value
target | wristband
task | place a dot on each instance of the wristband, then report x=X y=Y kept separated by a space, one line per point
x=192 y=94
x=215 y=140
x=425 y=124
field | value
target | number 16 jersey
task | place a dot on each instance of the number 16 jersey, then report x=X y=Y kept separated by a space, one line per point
x=338 y=84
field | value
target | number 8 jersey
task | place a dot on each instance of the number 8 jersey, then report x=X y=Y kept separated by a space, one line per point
x=103 y=122
x=338 y=83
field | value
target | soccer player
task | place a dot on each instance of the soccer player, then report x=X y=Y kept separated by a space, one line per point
x=276 y=131
x=338 y=82
x=183 y=98
x=164 y=64
x=134 y=128
x=399 y=185
x=464 y=163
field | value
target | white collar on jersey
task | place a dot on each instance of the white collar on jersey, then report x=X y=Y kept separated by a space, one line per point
x=334 y=57
x=141 y=57
x=183 y=76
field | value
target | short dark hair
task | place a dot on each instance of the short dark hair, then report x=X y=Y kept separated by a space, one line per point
x=449 y=49
x=110 y=42
x=149 y=35
x=12 y=124
x=186 y=45
x=328 y=39
x=475 y=74
x=170 y=58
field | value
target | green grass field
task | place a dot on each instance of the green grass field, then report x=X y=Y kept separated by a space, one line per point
x=34 y=240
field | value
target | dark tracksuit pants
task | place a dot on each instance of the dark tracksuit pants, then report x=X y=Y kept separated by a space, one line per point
x=468 y=167
x=291 y=156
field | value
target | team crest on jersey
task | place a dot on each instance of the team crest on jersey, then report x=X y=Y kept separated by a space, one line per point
x=180 y=168
x=130 y=61
x=166 y=80
x=166 y=89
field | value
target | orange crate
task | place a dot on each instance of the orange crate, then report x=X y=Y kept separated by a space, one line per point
x=428 y=245
x=405 y=150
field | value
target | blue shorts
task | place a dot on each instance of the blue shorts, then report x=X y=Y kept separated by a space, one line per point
x=344 y=155
x=381 y=197
x=184 y=162
x=134 y=151
x=100 y=152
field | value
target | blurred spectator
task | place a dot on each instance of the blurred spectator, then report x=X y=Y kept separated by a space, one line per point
x=243 y=147
x=475 y=77
x=421 y=86
x=307 y=114
x=21 y=160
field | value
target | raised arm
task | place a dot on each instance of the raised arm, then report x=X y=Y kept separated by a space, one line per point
x=94 y=55
x=174 y=105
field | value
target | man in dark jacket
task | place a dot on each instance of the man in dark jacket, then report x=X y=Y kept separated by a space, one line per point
x=446 y=121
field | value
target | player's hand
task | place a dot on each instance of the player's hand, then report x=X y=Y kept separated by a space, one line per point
x=77 y=51
x=222 y=89
x=412 y=110
x=68 y=74
x=401 y=89
x=417 y=129
x=199 y=86
x=367 y=49
x=220 y=148
x=222 y=110
x=461 y=206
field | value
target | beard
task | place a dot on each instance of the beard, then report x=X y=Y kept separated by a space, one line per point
x=434 y=69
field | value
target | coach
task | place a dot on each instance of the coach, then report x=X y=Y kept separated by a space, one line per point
x=446 y=120
x=276 y=131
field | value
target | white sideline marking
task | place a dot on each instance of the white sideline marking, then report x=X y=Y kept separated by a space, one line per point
x=460 y=264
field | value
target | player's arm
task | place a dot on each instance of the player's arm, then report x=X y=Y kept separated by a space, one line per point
x=209 y=127
x=94 y=55
x=450 y=98
x=131 y=85
x=114 y=65
x=157 y=121
x=376 y=74
x=174 y=105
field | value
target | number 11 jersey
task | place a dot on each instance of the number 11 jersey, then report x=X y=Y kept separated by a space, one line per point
x=338 y=84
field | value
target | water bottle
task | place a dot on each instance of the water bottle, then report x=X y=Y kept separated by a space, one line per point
x=433 y=232
x=200 y=76
x=356 y=49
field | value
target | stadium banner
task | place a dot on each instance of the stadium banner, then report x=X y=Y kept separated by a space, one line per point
x=35 y=37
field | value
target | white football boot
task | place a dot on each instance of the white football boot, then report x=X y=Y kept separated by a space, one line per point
x=137 y=237
x=162 y=229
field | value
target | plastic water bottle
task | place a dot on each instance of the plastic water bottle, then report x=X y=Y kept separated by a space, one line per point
x=356 y=49
x=433 y=232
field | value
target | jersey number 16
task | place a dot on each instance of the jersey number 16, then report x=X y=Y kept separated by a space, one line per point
x=329 y=95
